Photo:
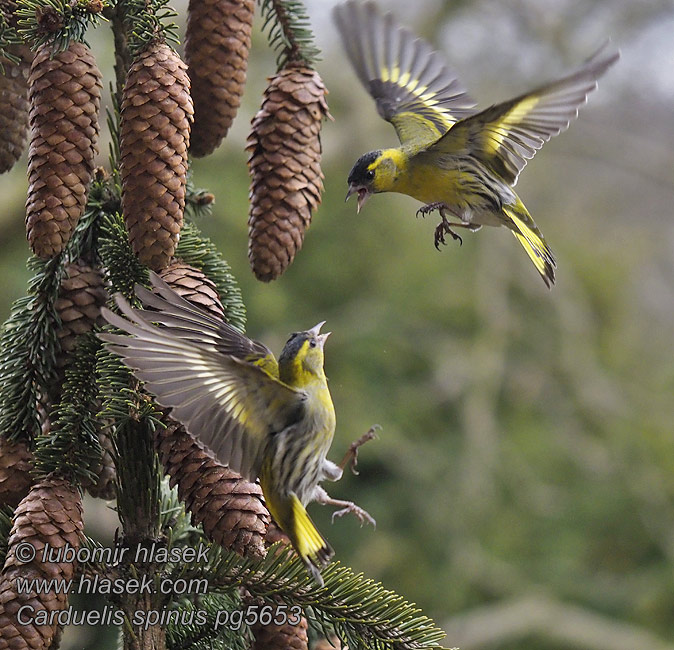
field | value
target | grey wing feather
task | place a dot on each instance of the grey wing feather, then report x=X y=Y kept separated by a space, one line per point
x=222 y=400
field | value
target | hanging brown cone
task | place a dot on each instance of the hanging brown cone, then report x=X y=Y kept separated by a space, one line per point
x=281 y=637
x=217 y=42
x=230 y=509
x=193 y=285
x=81 y=296
x=104 y=487
x=50 y=514
x=16 y=463
x=14 y=102
x=65 y=95
x=156 y=115
x=285 y=168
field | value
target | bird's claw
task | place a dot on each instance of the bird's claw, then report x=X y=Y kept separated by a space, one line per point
x=440 y=230
x=351 y=508
x=430 y=207
x=351 y=455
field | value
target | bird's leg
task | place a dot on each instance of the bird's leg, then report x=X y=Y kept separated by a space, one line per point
x=351 y=455
x=348 y=507
x=444 y=227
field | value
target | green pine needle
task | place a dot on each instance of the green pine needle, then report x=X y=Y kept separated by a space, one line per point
x=194 y=627
x=147 y=22
x=28 y=339
x=8 y=37
x=198 y=251
x=290 y=34
x=361 y=612
x=123 y=268
x=71 y=447
x=58 y=22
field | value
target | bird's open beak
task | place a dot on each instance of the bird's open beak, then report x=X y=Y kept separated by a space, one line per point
x=321 y=338
x=363 y=194
x=316 y=329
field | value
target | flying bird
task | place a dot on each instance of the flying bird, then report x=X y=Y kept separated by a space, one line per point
x=457 y=160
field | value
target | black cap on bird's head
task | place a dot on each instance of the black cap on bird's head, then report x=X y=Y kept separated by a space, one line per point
x=361 y=177
x=295 y=344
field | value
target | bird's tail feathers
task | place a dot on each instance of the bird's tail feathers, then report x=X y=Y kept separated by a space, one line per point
x=310 y=545
x=531 y=239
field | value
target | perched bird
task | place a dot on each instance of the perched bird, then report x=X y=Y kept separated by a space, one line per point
x=263 y=419
x=454 y=159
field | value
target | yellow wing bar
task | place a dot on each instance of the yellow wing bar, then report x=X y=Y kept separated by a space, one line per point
x=506 y=135
x=412 y=87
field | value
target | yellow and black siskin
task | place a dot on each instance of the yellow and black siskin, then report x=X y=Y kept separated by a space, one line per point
x=264 y=419
x=454 y=159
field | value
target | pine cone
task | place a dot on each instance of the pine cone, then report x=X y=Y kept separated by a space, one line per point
x=65 y=95
x=50 y=514
x=230 y=509
x=281 y=637
x=81 y=296
x=217 y=41
x=14 y=102
x=193 y=285
x=285 y=168
x=155 y=133
x=16 y=462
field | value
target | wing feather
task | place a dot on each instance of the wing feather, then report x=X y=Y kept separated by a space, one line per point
x=411 y=85
x=507 y=135
x=231 y=404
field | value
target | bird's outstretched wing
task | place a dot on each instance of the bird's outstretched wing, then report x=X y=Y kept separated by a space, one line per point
x=411 y=85
x=215 y=379
x=506 y=135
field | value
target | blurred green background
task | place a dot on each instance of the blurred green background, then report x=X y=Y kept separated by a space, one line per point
x=523 y=482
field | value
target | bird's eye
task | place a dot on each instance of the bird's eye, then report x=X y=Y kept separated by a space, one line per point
x=312 y=344
x=369 y=174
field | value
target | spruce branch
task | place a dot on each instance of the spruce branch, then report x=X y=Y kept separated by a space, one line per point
x=361 y=612
x=290 y=32
x=58 y=22
x=198 y=251
x=146 y=22
x=122 y=266
x=71 y=447
x=199 y=626
x=8 y=36
x=28 y=339
x=138 y=475
x=198 y=201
